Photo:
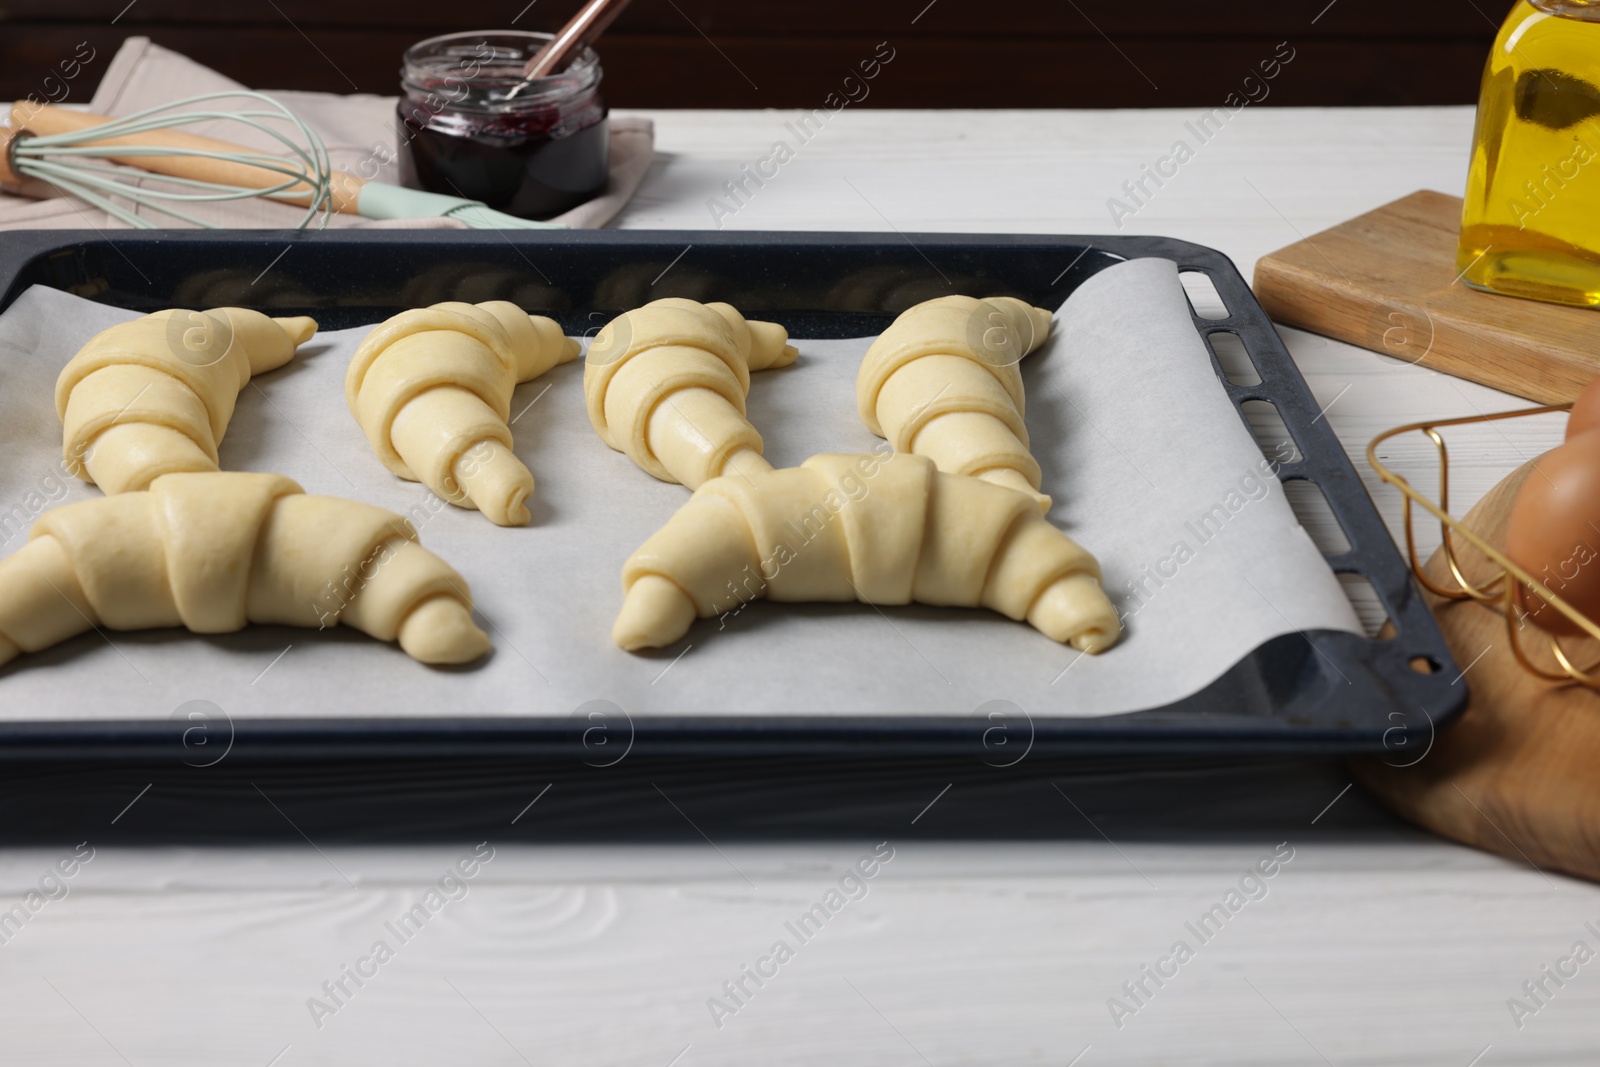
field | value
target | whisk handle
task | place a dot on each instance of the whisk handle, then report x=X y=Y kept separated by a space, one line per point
x=8 y=137
x=46 y=120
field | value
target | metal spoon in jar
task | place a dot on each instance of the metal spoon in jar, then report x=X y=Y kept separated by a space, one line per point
x=581 y=30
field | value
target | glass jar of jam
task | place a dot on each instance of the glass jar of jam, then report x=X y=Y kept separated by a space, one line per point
x=467 y=130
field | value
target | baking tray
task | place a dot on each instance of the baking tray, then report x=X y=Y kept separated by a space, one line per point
x=1320 y=691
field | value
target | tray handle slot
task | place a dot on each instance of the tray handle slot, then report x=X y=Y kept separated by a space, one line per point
x=1410 y=636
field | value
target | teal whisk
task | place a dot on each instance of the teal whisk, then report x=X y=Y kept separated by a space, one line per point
x=73 y=152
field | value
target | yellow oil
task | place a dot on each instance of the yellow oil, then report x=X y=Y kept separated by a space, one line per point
x=1531 y=224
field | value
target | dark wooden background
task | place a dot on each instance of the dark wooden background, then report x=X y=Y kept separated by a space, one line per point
x=761 y=53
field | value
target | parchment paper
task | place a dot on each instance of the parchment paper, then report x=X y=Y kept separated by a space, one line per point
x=1149 y=465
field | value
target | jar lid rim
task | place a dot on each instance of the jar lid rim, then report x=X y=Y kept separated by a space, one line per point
x=586 y=56
x=425 y=56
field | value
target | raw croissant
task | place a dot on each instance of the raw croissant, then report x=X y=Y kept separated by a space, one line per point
x=432 y=389
x=880 y=530
x=216 y=551
x=155 y=395
x=666 y=384
x=943 y=382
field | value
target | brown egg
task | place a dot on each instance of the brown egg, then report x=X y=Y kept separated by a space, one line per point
x=1585 y=411
x=1553 y=531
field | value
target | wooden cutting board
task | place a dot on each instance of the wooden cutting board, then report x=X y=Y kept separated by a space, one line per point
x=1388 y=281
x=1519 y=772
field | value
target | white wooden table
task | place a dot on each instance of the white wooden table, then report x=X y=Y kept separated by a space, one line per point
x=1374 y=944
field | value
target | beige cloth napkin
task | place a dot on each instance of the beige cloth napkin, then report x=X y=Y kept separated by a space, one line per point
x=358 y=129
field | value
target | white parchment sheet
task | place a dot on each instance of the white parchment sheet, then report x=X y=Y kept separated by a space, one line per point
x=1149 y=465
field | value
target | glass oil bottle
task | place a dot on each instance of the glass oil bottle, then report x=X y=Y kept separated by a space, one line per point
x=1531 y=223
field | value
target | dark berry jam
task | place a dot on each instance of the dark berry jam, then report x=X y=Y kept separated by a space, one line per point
x=467 y=130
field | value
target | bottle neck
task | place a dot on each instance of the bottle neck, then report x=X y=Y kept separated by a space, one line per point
x=1580 y=10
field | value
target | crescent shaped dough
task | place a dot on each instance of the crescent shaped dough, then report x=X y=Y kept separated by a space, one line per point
x=943 y=382
x=155 y=395
x=882 y=531
x=666 y=384
x=216 y=551
x=432 y=390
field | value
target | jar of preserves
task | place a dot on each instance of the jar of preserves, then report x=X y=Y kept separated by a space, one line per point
x=467 y=130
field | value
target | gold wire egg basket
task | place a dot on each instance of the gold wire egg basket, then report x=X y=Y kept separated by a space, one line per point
x=1499 y=593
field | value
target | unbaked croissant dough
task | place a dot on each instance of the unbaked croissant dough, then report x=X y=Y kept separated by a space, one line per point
x=943 y=381
x=432 y=389
x=666 y=384
x=155 y=395
x=216 y=551
x=880 y=530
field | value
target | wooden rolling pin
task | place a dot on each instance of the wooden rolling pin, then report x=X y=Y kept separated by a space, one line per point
x=29 y=119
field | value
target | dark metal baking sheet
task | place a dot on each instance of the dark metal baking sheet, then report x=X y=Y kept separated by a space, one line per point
x=1319 y=691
